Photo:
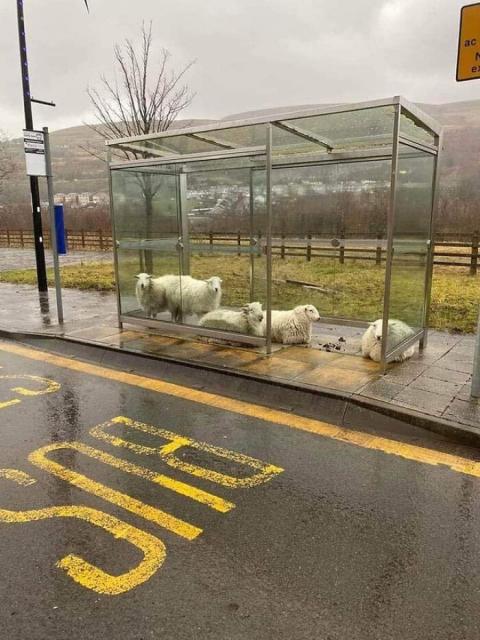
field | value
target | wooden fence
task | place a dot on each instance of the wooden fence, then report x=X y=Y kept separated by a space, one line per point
x=76 y=240
x=447 y=253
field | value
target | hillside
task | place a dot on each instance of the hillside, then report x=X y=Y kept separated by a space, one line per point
x=76 y=170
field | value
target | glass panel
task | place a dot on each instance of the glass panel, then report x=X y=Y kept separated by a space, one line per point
x=226 y=229
x=411 y=127
x=147 y=231
x=364 y=127
x=411 y=236
x=329 y=238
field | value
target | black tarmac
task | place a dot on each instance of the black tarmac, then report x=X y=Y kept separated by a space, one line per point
x=344 y=543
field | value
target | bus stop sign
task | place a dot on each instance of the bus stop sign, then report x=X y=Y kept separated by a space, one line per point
x=468 y=61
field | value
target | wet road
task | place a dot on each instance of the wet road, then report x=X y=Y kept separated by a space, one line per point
x=134 y=508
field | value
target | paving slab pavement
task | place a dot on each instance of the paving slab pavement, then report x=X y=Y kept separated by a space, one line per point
x=434 y=384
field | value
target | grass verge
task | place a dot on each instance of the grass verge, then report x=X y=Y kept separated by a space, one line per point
x=353 y=290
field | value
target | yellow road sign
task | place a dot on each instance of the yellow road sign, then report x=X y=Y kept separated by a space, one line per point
x=468 y=61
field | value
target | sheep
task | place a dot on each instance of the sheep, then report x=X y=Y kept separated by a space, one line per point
x=397 y=332
x=186 y=296
x=248 y=320
x=150 y=294
x=293 y=326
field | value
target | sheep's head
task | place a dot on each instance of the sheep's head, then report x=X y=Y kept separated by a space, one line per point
x=377 y=329
x=144 y=281
x=309 y=311
x=215 y=284
x=253 y=312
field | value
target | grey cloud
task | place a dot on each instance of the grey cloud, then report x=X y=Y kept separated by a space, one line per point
x=250 y=53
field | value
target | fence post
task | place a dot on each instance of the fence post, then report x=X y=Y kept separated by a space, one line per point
x=309 y=247
x=8 y=237
x=378 y=254
x=341 y=254
x=239 y=243
x=474 y=258
x=22 y=243
x=100 y=234
x=83 y=238
x=282 y=247
x=210 y=238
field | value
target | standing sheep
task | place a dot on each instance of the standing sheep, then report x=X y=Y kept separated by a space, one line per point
x=186 y=296
x=248 y=320
x=293 y=326
x=150 y=294
x=397 y=332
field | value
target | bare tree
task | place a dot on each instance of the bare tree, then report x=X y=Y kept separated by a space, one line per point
x=7 y=163
x=143 y=98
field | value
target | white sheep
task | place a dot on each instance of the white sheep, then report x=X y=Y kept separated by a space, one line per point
x=397 y=332
x=293 y=326
x=186 y=296
x=248 y=320
x=150 y=295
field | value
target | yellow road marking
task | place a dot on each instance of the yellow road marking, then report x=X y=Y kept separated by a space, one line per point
x=359 y=439
x=219 y=504
x=163 y=519
x=80 y=570
x=266 y=471
x=50 y=385
x=9 y=403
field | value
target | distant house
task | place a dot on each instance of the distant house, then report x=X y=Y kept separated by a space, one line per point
x=84 y=199
x=71 y=199
x=100 y=197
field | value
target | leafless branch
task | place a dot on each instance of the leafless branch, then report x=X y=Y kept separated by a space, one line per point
x=141 y=98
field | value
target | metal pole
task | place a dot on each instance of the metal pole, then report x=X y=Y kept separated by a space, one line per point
x=252 y=242
x=268 y=332
x=390 y=237
x=431 y=249
x=475 y=391
x=36 y=210
x=53 y=234
x=115 y=242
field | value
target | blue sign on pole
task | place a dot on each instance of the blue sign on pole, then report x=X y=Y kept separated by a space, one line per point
x=60 y=229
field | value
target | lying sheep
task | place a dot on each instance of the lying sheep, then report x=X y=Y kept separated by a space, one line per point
x=248 y=320
x=372 y=339
x=186 y=296
x=294 y=326
x=150 y=295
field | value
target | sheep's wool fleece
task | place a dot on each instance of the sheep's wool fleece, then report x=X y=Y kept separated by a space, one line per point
x=397 y=331
x=292 y=325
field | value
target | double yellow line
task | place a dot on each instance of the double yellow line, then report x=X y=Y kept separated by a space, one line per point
x=317 y=427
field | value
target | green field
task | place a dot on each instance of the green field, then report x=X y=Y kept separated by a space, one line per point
x=352 y=290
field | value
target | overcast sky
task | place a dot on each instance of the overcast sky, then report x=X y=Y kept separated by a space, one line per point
x=250 y=54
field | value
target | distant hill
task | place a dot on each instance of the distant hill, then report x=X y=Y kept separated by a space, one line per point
x=78 y=171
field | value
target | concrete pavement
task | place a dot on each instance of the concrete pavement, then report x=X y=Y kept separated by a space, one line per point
x=145 y=504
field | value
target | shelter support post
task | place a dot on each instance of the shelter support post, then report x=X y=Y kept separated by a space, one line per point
x=390 y=235
x=53 y=230
x=114 y=240
x=431 y=248
x=268 y=323
x=184 y=241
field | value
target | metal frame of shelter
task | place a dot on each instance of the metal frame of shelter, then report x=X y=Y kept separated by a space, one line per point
x=155 y=149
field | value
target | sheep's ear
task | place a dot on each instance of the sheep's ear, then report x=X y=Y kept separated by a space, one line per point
x=137 y=277
x=245 y=310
